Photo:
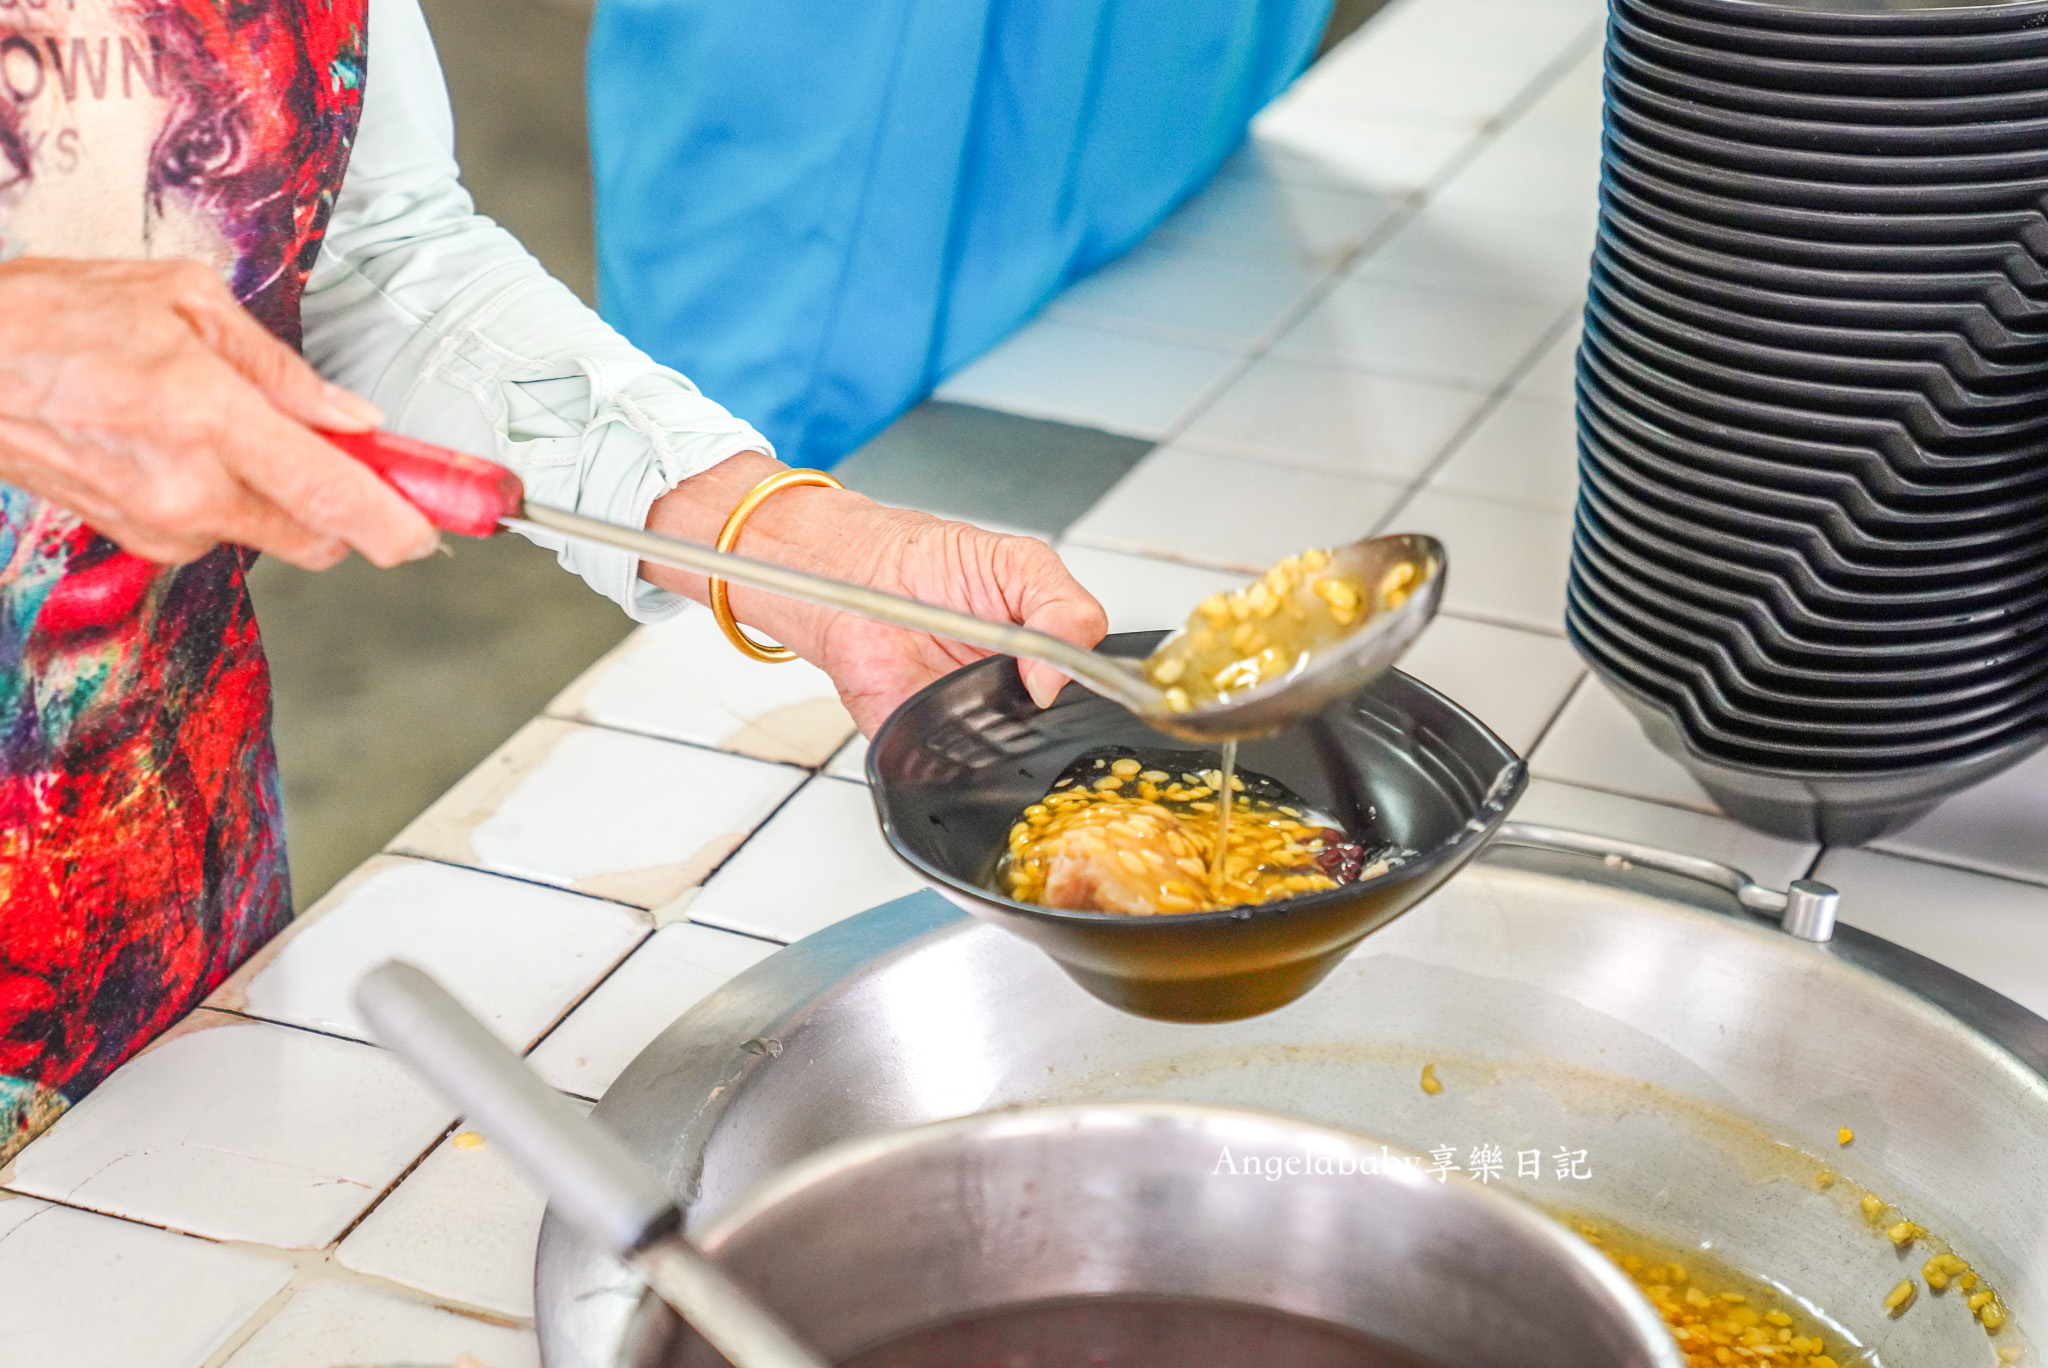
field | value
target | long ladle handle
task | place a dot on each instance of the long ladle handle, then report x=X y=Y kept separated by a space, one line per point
x=474 y=497
x=1103 y=674
x=591 y=1179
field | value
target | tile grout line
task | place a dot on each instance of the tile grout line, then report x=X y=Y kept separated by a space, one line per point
x=397 y=1181
x=1414 y=202
x=301 y=1261
x=1491 y=405
x=1949 y=865
x=1635 y=797
x=399 y=852
x=710 y=747
x=1261 y=348
x=639 y=945
x=1550 y=723
x=313 y=1267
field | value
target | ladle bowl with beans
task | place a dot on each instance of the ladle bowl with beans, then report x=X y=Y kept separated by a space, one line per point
x=1395 y=766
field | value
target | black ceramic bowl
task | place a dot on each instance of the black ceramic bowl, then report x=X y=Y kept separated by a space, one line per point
x=1803 y=804
x=1968 y=117
x=1857 y=486
x=1685 y=421
x=1996 y=263
x=1397 y=763
x=1799 y=634
x=1823 y=708
x=1680 y=528
x=1643 y=354
x=1926 y=397
x=1857 y=526
x=1722 y=732
x=1993 y=347
x=1814 y=210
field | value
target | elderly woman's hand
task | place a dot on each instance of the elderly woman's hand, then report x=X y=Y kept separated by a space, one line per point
x=143 y=397
x=849 y=536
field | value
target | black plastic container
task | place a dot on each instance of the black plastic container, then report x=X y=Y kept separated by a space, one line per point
x=1812 y=542
x=1398 y=764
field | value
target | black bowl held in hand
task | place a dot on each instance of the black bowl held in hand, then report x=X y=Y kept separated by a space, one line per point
x=1396 y=764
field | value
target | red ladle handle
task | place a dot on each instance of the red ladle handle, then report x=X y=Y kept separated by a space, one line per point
x=459 y=493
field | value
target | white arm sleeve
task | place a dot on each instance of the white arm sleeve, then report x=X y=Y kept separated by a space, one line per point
x=442 y=319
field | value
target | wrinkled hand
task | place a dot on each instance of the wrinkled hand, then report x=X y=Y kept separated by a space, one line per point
x=850 y=537
x=956 y=565
x=142 y=397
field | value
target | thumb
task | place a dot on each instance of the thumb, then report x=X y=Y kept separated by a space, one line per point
x=280 y=374
x=1079 y=620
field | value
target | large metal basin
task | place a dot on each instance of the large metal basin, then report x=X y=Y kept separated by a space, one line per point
x=1702 y=1059
x=1034 y=1206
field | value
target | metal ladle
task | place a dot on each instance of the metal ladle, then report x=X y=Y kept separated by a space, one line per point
x=591 y=1179
x=467 y=494
x=1324 y=677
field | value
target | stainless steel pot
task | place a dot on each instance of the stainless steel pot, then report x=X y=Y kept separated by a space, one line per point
x=1699 y=1057
x=868 y=1240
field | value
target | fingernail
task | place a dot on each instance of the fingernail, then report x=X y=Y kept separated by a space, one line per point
x=425 y=548
x=347 y=408
x=1044 y=688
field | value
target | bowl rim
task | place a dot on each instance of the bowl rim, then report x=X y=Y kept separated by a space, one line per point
x=1494 y=806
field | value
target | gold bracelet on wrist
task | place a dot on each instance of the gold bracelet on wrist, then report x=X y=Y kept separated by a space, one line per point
x=729 y=537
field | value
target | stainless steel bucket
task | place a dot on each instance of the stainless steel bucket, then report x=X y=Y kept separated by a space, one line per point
x=869 y=1240
x=1697 y=1059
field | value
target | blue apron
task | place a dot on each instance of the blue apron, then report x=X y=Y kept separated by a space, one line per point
x=818 y=210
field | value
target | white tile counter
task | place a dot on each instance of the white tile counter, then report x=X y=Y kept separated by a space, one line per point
x=1365 y=322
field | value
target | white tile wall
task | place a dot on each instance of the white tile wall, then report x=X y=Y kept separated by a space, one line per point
x=1190 y=291
x=682 y=680
x=1335 y=418
x=1530 y=175
x=1395 y=327
x=1507 y=561
x=1317 y=145
x=337 y=1324
x=821 y=859
x=851 y=760
x=2000 y=826
x=1507 y=254
x=602 y=812
x=1512 y=680
x=1459 y=64
x=462 y=1227
x=1545 y=165
x=1231 y=513
x=1994 y=930
x=79 y=1290
x=1097 y=377
x=516 y=953
x=677 y=968
x=238 y=1130
x=1595 y=743
x=1554 y=373
x=1525 y=451
x=1251 y=211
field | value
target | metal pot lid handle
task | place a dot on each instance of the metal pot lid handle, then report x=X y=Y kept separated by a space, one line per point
x=1806 y=909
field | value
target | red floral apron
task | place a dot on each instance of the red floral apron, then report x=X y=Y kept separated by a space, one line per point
x=141 y=839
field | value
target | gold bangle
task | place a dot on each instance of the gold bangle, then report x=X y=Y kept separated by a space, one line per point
x=729 y=536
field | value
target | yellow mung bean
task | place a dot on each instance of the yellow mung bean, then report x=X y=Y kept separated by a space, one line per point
x=1267 y=629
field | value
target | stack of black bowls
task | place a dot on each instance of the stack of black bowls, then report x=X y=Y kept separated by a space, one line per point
x=1812 y=541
